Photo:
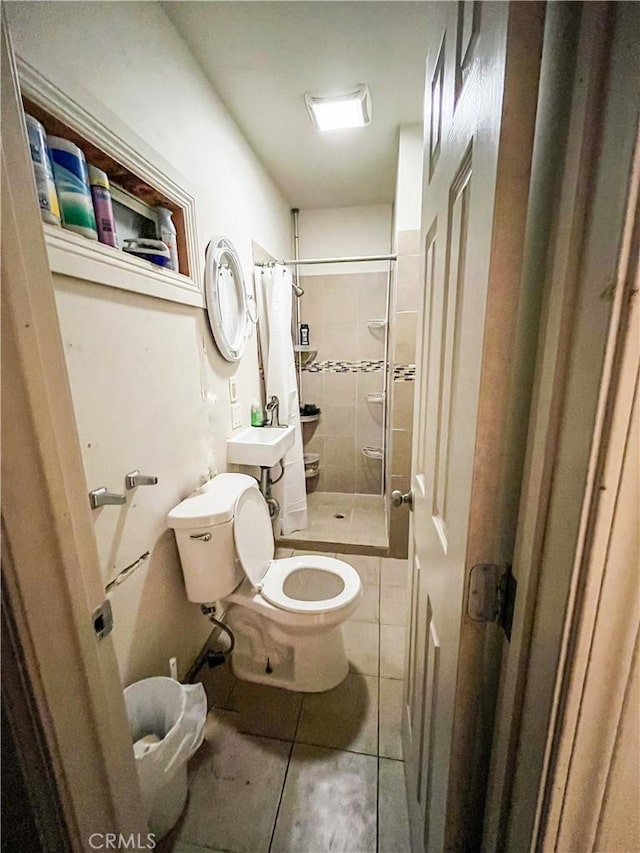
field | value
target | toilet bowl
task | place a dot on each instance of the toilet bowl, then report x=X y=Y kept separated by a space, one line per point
x=286 y=614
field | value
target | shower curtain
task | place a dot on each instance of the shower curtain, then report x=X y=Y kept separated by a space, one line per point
x=274 y=296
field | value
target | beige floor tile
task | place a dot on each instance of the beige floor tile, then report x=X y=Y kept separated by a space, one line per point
x=343 y=718
x=393 y=819
x=393 y=605
x=391 y=651
x=372 y=502
x=234 y=795
x=369 y=609
x=373 y=536
x=390 y=719
x=328 y=803
x=393 y=572
x=340 y=501
x=367 y=567
x=361 y=641
x=258 y=709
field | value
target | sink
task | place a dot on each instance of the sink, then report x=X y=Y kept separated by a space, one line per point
x=263 y=446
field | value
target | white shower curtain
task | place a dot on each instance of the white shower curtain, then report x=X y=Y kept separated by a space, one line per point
x=274 y=296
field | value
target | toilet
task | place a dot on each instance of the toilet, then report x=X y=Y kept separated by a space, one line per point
x=286 y=615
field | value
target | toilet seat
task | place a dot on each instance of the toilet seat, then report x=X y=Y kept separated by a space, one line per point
x=255 y=547
x=278 y=572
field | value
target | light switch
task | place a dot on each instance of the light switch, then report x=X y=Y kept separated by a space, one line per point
x=233 y=390
x=236 y=416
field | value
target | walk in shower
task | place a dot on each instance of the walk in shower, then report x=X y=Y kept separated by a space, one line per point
x=342 y=358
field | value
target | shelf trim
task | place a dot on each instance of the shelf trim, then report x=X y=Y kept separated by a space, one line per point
x=75 y=256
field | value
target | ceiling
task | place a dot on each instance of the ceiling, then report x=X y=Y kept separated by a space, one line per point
x=261 y=57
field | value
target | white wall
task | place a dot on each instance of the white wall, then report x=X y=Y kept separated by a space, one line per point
x=344 y=231
x=408 y=201
x=144 y=372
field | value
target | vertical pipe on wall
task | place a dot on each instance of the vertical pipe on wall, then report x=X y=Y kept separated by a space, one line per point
x=296 y=254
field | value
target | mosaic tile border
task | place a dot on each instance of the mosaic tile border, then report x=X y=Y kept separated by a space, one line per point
x=401 y=372
x=328 y=366
x=404 y=372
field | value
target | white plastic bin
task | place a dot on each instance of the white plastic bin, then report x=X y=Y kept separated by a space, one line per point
x=166 y=721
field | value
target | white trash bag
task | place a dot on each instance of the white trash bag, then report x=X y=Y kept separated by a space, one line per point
x=166 y=721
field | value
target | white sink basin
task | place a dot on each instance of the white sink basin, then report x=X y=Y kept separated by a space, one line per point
x=260 y=445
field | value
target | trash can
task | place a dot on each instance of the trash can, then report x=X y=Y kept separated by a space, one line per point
x=166 y=721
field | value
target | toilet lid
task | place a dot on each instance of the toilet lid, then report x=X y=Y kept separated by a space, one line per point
x=253 y=535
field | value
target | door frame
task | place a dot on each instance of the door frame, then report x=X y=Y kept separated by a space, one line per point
x=548 y=560
x=51 y=575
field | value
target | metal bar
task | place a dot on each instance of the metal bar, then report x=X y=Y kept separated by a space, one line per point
x=296 y=277
x=307 y=261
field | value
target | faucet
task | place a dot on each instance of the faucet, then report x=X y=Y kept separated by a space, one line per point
x=273 y=407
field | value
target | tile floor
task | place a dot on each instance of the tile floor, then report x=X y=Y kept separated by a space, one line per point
x=283 y=772
x=363 y=521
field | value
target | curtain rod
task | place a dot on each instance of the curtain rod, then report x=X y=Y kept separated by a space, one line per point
x=306 y=261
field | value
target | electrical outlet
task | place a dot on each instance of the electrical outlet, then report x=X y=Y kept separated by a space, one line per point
x=233 y=390
x=236 y=416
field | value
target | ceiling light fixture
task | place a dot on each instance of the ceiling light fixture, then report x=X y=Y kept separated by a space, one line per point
x=338 y=112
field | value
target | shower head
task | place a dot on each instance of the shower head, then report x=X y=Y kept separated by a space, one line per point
x=297 y=290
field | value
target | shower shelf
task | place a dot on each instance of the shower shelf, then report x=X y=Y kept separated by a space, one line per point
x=375 y=397
x=305 y=353
x=373 y=452
x=308 y=419
x=374 y=325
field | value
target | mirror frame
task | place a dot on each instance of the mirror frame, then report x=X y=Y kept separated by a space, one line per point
x=220 y=253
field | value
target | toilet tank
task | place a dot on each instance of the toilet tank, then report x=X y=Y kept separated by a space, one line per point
x=203 y=527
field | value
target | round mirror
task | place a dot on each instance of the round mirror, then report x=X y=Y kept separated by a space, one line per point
x=226 y=298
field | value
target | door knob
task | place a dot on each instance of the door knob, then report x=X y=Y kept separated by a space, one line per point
x=397 y=498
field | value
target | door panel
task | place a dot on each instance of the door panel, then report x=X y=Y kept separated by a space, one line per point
x=469 y=151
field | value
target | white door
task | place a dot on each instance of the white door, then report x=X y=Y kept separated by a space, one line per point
x=480 y=98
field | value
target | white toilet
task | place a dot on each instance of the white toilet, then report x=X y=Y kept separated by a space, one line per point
x=285 y=614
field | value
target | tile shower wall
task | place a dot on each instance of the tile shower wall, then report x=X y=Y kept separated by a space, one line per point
x=402 y=345
x=349 y=365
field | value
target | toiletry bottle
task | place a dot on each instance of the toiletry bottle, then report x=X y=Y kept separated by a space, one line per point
x=257 y=416
x=167 y=233
x=304 y=334
x=102 y=206
x=47 y=195
x=72 y=182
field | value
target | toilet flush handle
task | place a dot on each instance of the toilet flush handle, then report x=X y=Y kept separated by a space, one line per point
x=203 y=537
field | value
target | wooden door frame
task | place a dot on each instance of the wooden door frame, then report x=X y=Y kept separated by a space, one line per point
x=548 y=563
x=572 y=801
x=51 y=575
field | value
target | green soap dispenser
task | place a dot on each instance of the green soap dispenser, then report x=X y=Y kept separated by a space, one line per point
x=257 y=415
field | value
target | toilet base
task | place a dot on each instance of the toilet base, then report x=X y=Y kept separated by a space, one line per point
x=267 y=653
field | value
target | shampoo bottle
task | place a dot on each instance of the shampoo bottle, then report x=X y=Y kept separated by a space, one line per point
x=102 y=206
x=167 y=233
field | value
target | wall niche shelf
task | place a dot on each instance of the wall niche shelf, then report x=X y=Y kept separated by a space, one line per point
x=131 y=166
x=373 y=452
x=375 y=397
x=309 y=419
x=304 y=354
